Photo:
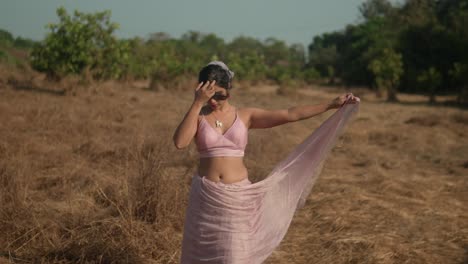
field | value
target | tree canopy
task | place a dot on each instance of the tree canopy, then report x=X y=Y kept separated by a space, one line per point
x=430 y=35
x=416 y=46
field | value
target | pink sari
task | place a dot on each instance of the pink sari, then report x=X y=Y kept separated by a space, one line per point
x=244 y=222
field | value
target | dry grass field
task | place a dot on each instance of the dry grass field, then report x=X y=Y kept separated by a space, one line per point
x=91 y=176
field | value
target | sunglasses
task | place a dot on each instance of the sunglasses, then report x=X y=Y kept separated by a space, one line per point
x=220 y=96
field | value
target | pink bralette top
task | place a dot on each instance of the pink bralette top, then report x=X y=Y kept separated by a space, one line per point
x=211 y=143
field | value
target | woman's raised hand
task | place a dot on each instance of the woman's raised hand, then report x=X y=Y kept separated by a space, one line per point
x=340 y=100
x=204 y=91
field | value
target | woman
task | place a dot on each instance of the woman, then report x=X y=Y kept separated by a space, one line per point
x=229 y=219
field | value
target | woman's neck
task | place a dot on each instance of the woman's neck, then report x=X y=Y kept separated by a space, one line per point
x=226 y=107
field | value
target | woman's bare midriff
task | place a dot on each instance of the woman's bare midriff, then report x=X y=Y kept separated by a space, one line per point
x=225 y=169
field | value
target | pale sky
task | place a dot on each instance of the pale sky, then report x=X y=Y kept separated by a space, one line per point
x=294 y=21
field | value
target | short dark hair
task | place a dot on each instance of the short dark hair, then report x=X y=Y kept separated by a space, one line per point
x=215 y=73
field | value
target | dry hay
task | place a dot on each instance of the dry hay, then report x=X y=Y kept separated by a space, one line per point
x=92 y=177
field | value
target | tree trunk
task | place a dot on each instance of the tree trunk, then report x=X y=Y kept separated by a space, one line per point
x=378 y=92
x=462 y=97
x=392 y=95
x=432 y=94
x=155 y=85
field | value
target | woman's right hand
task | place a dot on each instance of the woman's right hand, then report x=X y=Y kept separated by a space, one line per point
x=204 y=91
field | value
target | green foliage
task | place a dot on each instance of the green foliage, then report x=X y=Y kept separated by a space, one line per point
x=23 y=43
x=311 y=75
x=3 y=55
x=6 y=38
x=375 y=8
x=388 y=67
x=387 y=70
x=369 y=40
x=347 y=54
x=426 y=33
x=275 y=52
x=322 y=58
x=249 y=67
x=430 y=79
x=7 y=58
x=394 y=47
x=82 y=43
x=460 y=74
x=14 y=51
x=165 y=59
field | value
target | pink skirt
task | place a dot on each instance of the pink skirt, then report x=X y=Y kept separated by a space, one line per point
x=244 y=222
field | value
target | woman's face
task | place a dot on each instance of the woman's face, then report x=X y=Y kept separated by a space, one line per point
x=217 y=100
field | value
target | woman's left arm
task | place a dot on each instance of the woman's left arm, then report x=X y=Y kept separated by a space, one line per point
x=260 y=118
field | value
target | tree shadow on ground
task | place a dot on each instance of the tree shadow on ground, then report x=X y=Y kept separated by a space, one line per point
x=465 y=261
x=29 y=86
x=450 y=103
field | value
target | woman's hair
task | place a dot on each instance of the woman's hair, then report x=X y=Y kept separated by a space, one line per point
x=213 y=72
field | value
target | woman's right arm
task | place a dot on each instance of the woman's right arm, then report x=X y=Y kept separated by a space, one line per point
x=188 y=127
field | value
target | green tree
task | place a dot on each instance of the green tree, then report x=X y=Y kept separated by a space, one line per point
x=375 y=8
x=387 y=70
x=453 y=15
x=460 y=74
x=323 y=58
x=430 y=79
x=84 y=43
x=6 y=38
x=276 y=52
x=24 y=43
x=323 y=54
x=213 y=43
x=366 y=42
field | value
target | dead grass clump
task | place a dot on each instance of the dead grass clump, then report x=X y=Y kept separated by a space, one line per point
x=384 y=138
x=286 y=91
x=97 y=152
x=109 y=241
x=289 y=88
x=427 y=121
x=350 y=250
x=10 y=187
x=461 y=118
x=156 y=197
x=465 y=164
x=130 y=219
x=79 y=237
x=15 y=212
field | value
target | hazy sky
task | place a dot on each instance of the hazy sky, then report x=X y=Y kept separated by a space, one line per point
x=294 y=21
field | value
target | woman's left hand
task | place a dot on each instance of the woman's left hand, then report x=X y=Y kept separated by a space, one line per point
x=340 y=100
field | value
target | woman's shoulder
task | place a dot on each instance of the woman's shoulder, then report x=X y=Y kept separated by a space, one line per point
x=248 y=110
x=245 y=114
x=243 y=111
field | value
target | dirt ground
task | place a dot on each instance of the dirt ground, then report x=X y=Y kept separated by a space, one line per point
x=90 y=175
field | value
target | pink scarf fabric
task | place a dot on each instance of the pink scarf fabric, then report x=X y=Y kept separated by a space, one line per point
x=244 y=222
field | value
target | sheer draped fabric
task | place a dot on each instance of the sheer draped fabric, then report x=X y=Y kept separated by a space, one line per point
x=244 y=222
